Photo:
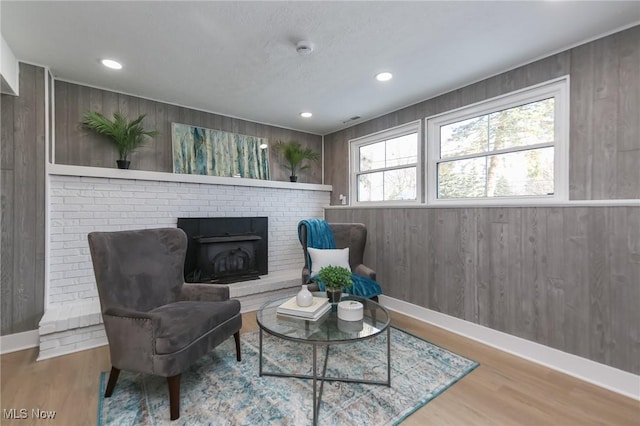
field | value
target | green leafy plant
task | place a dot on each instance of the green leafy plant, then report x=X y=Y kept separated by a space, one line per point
x=294 y=155
x=126 y=135
x=335 y=277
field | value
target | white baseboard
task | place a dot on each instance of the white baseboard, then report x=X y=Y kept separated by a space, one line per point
x=607 y=377
x=52 y=353
x=19 y=341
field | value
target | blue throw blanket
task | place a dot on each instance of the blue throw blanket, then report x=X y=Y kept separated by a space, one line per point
x=320 y=236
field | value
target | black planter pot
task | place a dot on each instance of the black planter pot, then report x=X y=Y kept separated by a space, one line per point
x=123 y=164
x=293 y=178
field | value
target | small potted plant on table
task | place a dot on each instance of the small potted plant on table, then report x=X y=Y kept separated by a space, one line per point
x=335 y=279
x=126 y=135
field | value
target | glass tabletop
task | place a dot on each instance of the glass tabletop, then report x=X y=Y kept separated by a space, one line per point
x=327 y=329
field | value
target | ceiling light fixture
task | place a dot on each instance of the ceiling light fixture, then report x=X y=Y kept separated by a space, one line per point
x=110 y=63
x=384 y=76
x=305 y=114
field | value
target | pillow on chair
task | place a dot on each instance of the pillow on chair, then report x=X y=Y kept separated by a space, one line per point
x=328 y=257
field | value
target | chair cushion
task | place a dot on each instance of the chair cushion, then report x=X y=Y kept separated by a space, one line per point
x=328 y=257
x=181 y=323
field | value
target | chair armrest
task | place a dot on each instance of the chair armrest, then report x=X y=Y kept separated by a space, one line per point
x=130 y=313
x=365 y=271
x=131 y=336
x=306 y=274
x=204 y=292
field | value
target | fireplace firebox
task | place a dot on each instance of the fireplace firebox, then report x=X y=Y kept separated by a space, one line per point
x=225 y=250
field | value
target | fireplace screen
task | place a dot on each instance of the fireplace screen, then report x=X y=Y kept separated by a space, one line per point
x=225 y=250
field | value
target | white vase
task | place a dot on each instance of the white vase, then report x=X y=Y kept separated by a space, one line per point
x=304 y=297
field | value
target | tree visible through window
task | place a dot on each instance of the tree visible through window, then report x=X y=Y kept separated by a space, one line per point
x=500 y=152
x=385 y=165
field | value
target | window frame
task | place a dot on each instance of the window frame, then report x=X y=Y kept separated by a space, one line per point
x=558 y=89
x=381 y=136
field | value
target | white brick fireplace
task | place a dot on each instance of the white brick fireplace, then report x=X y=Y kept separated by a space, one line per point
x=86 y=199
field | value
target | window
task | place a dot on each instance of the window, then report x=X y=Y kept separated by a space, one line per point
x=511 y=147
x=384 y=166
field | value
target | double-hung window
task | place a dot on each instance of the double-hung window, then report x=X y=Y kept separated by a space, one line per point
x=512 y=147
x=384 y=165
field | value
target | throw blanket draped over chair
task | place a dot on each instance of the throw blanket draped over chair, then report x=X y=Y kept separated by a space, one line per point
x=320 y=236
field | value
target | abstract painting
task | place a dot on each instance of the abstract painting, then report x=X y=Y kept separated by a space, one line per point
x=201 y=151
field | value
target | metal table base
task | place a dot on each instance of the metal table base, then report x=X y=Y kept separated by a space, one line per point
x=317 y=393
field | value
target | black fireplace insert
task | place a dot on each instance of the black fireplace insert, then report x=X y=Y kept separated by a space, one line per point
x=224 y=250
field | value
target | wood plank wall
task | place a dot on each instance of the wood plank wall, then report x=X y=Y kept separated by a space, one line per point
x=77 y=146
x=565 y=277
x=22 y=193
x=604 y=123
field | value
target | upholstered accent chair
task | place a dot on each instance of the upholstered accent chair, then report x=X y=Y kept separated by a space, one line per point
x=352 y=235
x=155 y=323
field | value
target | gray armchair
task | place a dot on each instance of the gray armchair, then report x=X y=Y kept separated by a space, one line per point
x=155 y=323
x=352 y=235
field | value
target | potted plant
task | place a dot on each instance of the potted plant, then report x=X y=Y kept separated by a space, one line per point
x=335 y=279
x=294 y=154
x=126 y=135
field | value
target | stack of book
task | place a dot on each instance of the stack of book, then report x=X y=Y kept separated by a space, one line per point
x=318 y=308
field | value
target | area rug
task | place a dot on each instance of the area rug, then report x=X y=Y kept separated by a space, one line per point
x=218 y=390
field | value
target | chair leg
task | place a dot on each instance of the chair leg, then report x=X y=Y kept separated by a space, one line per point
x=174 y=396
x=236 y=336
x=111 y=384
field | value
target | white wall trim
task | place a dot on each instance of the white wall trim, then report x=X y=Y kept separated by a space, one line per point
x=103 y=172
x=517 y=204
x=19 y=341
x=607 y=377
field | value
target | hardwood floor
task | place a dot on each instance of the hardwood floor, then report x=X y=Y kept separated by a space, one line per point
x=503 y=390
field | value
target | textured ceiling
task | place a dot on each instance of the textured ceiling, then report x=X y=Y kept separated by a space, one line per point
x=239 y=58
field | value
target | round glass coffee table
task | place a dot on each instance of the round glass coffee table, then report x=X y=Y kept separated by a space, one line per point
x=326 y=331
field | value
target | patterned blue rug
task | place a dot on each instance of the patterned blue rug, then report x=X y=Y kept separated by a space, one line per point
x=218 y=390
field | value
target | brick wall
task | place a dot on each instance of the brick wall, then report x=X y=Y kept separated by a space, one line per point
x=79 y=205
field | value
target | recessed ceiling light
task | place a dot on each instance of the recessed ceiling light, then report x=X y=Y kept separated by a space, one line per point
x=305 y=114
x=110 y=63
x=384 y=76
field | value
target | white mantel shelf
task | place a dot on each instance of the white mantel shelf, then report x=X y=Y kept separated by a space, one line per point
x=108 y=173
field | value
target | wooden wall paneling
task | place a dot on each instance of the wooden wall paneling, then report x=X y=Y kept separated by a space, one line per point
x=39 y=165
x=27 y=135
x=484 y=279
x=60 y=125
x=7 y=162
x=581 y=154
x=99 y=144
x=555 y=300
x=571 y=259
x=82 y=147
x=516 y=306
x=599 y=287
x=173 y=116
x=23 y=199
x=419 y=261
x=565 y=277
x=531 y=295
x=147 y=153
x=163 y=154
x=605 y=117
x=102 y=148
x=499 y=314
x=628 y=108
x=7 y=244
x=622 y=235
x=627 y=291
